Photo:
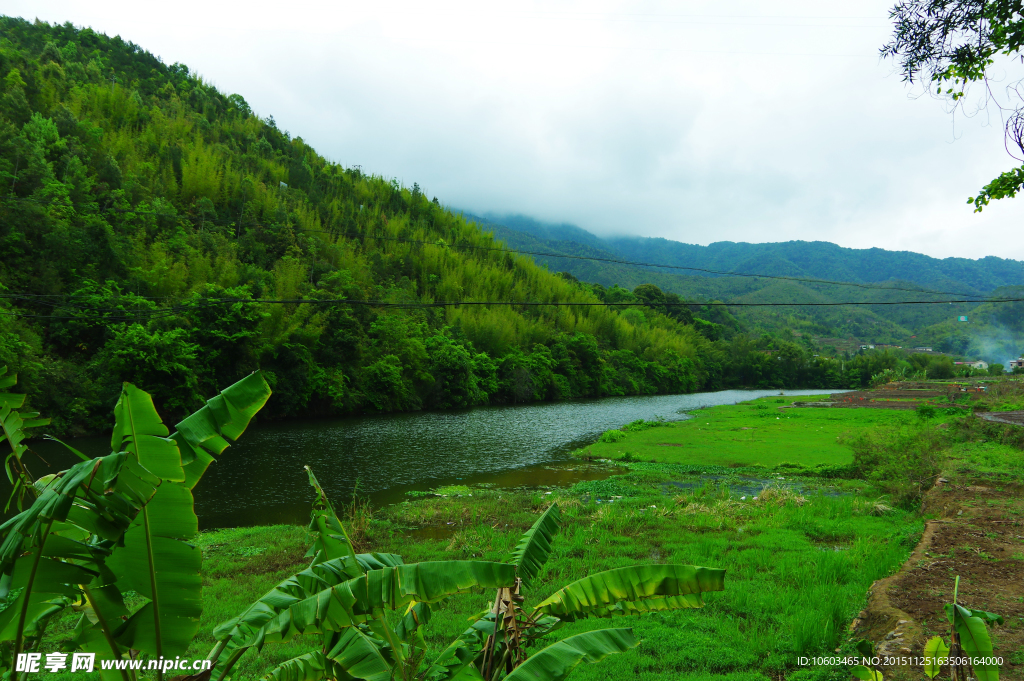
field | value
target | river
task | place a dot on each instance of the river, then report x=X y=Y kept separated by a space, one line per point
x=260 y=480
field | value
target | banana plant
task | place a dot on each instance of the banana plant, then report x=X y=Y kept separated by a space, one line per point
x=970 y=647
x=866 y=671
x=12 y=430
x=119 y=523
x=343 y=598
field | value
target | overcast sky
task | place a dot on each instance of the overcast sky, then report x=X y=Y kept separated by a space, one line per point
x=694 y=121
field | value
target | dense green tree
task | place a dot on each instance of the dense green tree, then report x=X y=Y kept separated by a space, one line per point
x=164 y=362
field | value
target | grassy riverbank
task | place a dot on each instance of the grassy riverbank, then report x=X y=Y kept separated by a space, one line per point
x=799 y=562
x=800 y=552
x=761 y=432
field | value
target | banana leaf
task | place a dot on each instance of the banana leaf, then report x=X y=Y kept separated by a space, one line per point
x=240 y=633
x=533 y=549
x=626 y=590
x=313 y=666
x=555 y=662
x=987 y=617
x=330 y=540
x=974 y=639
x=12 y=400
x=12 y=430
x=355 y=655
x=72 y=526
x=157 y=562
x=456 y=662
x=458 y=658
x=91 y=483
x=104 y=610
x=139 y=431
x=410 y=628
x=865 y=673
x=936 y=653
x=364 y=598
x=209 y=431
x=359 y=656
x=121 y=522
x=300 y=586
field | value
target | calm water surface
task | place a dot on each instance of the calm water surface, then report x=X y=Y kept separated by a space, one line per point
x=261 y=479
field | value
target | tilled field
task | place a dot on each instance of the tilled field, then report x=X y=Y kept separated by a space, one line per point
x=978 y=535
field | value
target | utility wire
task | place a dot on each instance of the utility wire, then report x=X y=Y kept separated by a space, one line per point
x=213 y=302
x=649 y=264
x=635 y=263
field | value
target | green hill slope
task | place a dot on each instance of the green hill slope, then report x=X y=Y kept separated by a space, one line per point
x=892 y=276
x=143 y=213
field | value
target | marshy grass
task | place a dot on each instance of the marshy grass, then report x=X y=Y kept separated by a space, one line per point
x=757 y=432
x=797 y=571
x=798 y=564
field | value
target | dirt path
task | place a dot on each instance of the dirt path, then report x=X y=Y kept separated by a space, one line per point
x=977 y=533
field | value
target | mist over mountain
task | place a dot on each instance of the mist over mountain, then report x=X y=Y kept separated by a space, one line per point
x=892 y=276
x=812 y=259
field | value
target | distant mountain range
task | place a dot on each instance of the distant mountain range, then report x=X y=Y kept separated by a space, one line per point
x=889 y=276
x=812 y=259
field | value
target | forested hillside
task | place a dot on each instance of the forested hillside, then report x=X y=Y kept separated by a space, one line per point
x=813 y=259
x=142 y=210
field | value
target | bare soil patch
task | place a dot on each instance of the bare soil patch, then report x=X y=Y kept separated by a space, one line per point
x=977 y=533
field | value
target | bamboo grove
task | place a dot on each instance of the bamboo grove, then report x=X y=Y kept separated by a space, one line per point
x=141 y=210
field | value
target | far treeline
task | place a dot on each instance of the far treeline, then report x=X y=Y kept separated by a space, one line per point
x=145 y=218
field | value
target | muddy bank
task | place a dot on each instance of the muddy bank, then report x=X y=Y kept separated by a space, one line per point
x=1013 y=418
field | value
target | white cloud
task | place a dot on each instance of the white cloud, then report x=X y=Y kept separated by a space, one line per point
x=701 y=122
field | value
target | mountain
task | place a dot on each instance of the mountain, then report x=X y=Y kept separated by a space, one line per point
x=823 y=260
x=155 y=230
x=891 y=276
x=811 y=259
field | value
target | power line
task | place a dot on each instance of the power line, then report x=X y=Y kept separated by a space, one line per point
x=618 y=261
x=648 y=264
x=212 y=302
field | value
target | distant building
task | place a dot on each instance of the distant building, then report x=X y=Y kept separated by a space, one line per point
x=977 y=365
x=923 y=349
x=1016 y=364
x=867 y=347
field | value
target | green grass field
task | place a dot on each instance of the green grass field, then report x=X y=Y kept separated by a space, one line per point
x=799 y=561
x=755 y=433
x=797 y=568
x=986 y=459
